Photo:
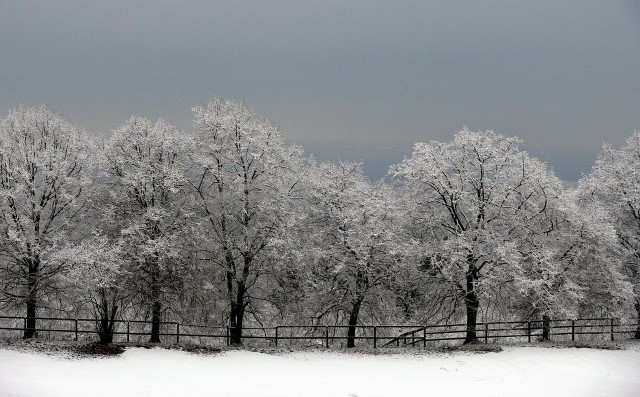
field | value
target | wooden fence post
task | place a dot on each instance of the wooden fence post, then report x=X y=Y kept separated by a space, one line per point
x=76 y=329
x=529 y=331
x=486 y=332
x=573 y=330
x=546 y=328
x=177 y=333
x=326 y=335
x=227 y=338
x=375 y=335
x=424 y=337
x=276 y=336
x=25 y=324
x=612 y=323
x=127 y=331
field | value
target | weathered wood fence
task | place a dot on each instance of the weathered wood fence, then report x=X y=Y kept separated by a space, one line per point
x=327 y=335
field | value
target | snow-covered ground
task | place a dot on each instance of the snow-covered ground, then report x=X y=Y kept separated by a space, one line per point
x=517 y=371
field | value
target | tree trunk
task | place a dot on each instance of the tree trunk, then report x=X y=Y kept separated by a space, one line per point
x=637 y=306
x=106 y=313
x=237 y=315
x=30 y=331
x=155 y=322
x=546 y=327
x=104 y=331
x=156 y=310
x=237 y=337
x=353 y=322
x=32 y=299
x=472 y=304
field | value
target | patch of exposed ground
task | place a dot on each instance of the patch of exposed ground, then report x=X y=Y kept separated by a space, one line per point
x=419 y=350
x=598 y=345
x=69 y=349
x=93 y=349
x=72 y=349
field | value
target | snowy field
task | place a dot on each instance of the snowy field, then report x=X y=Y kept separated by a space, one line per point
x=517 y=371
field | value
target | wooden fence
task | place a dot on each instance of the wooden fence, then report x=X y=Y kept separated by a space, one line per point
x=327 y=336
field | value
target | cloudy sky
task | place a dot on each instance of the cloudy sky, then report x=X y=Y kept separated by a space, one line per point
x=357 y=80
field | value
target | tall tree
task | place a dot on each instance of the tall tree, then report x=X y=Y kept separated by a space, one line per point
x=96 y=269
x=615 y=182
x=574 y=268
x=357 y=243
x=145 y=177
x=43 y=175
x=474 y=198
x=243 y=186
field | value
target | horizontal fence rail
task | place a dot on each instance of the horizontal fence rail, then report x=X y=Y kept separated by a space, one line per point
x=375 y=336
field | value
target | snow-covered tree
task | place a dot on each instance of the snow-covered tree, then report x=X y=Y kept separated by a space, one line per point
x=357 y=248
x=615 y=183
x=243 y=185
x=574 y=268
x=145 y=166
x=474 y=199
x=43 y=175
x=96 y=269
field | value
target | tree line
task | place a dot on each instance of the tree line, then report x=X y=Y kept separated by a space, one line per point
x=229 y=225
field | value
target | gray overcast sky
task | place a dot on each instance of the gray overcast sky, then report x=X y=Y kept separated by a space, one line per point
x=359 y=80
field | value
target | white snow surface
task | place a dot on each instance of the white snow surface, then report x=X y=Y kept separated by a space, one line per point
x=517 y=371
